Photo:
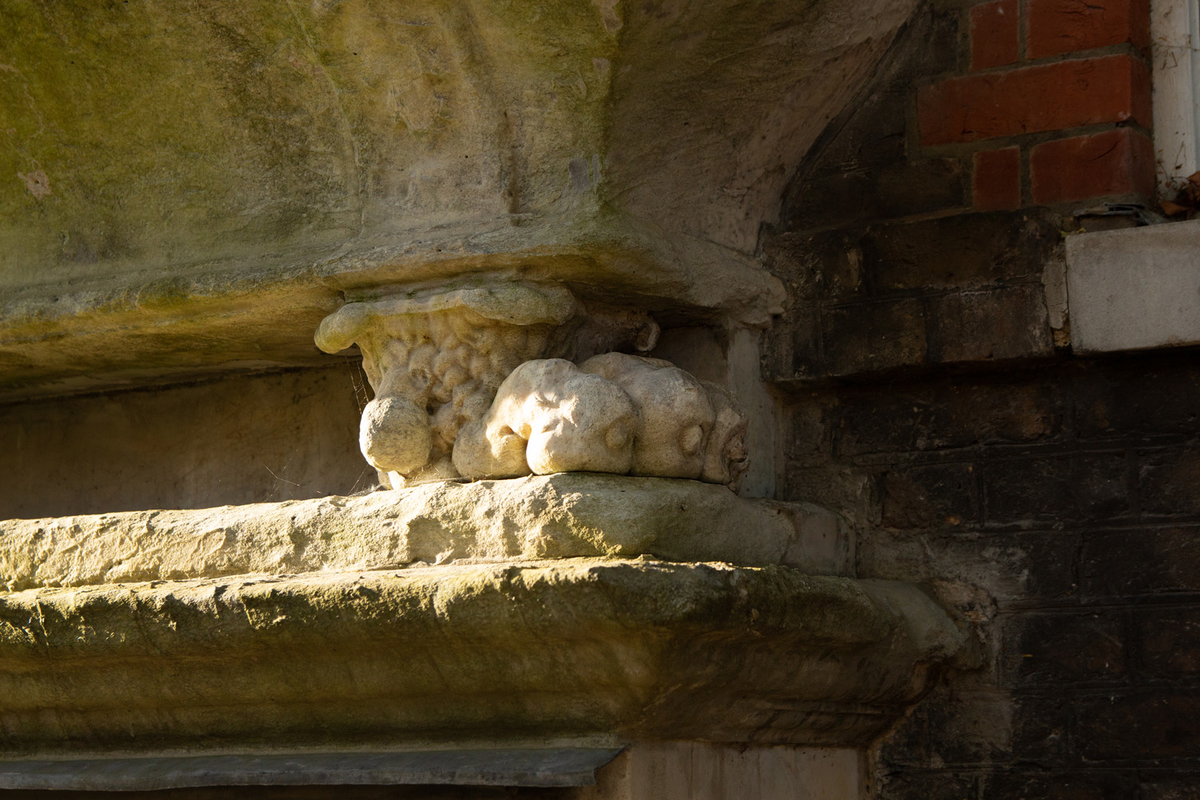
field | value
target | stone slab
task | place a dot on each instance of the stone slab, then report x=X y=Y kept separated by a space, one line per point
x=555 y=516
x=491 y=767
x=1134 y=289
x=597 y=651
x=707 y=771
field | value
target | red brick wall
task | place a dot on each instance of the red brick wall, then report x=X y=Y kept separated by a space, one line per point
x=1058 y=506
x=922 y=228
x=1052 y=103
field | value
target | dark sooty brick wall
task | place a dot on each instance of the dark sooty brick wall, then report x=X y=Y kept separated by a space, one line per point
x=931 y=395
x=1058 y=506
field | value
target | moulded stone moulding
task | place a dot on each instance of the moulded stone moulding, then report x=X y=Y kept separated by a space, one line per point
x=558 y=516
x=673 y=770
x=582 y=651
x=527 y=766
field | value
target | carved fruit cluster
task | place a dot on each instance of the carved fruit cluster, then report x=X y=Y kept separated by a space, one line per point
x=432 y=374
x=612 y=413
x=465 y=385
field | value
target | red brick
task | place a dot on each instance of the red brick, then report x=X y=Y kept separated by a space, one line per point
x=994 y=33
x=997 y=181
x=1067 y=26
x=1114 y=162
x=1043 y=98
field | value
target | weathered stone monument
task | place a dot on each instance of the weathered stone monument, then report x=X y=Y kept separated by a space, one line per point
x=536 y=225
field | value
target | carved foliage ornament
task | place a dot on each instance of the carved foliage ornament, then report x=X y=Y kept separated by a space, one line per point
x=481 y=382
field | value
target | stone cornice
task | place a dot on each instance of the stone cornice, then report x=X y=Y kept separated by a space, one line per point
x=596 y=651
x=200 y=204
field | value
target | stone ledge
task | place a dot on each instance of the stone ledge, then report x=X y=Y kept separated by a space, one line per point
x=1134 y=289
x=555 y=516
x=590 y=146
x=494 y=767
x=581 y=650
x=120 y=332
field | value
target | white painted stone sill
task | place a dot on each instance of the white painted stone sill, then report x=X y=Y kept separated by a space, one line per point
x=1134 y=289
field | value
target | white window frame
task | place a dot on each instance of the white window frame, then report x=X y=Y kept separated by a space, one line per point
x=1175 y=53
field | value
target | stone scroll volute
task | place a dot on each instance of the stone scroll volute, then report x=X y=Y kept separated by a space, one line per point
x=511 y=379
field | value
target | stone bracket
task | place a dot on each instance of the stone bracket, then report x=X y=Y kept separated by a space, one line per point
x=479 y=382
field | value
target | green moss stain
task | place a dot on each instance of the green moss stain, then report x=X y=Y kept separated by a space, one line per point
x=144 y=138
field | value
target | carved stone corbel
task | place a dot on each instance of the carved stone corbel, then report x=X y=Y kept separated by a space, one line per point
x=509 y=379
x=436 y=357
